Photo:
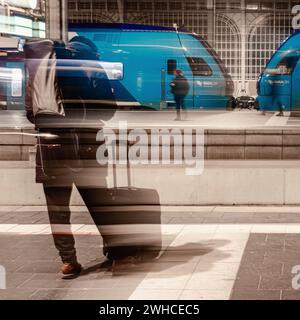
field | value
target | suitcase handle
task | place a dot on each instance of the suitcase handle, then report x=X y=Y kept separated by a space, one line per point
x=129 y=182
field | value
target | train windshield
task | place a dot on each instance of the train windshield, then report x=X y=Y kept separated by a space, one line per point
x=285 y=66
x=214 y=54
x=199 y=67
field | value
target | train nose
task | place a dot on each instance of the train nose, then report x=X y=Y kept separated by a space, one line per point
x=264 y=86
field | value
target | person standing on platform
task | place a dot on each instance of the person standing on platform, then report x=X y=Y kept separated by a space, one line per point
x=180 y=89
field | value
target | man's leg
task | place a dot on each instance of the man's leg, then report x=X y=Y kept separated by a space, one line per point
x=178 y=107
x=92 y=199
x=182 y=102
x=281 y=114
x=183 y=107
x=58 y=200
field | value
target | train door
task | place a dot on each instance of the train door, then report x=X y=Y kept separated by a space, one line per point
x=167 y=75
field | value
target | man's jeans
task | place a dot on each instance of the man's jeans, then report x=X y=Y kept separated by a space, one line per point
x=58 y=201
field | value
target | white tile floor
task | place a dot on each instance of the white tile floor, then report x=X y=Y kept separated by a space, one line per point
x=185 y=233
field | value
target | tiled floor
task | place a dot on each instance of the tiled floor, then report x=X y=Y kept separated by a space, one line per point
x=208 y=253
x=266 y=268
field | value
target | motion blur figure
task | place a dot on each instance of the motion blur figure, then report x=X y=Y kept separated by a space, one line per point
x=69 y=98
x=64 y=90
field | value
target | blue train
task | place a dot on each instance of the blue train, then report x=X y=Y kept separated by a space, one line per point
x=149 y=56
x=278 y=86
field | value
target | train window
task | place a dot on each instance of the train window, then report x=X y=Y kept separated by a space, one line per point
x=199 y=67
x=172 y=66
x=285 y=67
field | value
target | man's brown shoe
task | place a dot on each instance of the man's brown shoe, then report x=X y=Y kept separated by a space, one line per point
x=71 y=268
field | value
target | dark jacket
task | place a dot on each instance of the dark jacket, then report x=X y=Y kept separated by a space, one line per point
x=180 y=86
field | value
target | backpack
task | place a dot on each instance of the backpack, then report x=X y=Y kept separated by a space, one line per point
x=40 y=62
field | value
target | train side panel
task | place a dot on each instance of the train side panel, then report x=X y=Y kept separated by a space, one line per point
x=150 y=57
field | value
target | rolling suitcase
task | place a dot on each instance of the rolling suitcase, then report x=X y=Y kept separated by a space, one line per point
x=134 y=227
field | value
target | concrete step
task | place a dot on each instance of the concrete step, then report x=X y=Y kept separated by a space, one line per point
x=221 y=183
x=242 y=144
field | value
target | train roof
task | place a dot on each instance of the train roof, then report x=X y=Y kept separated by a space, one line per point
x=291 y=36
x=286 y=42
x=125 y=26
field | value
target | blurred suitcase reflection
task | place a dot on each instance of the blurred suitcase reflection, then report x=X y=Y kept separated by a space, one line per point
x=133 y=231
x=134 y=226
